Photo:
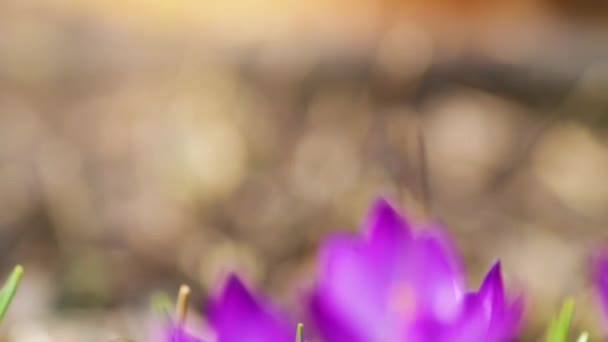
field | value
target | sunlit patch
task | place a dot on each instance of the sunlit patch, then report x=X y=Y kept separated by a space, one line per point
x=401 y=301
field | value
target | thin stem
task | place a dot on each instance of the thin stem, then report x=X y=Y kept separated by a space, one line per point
x=425 y=186
x=182 y=305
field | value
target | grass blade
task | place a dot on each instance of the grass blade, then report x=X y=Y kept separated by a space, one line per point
x=9 y=289
x=558 y=329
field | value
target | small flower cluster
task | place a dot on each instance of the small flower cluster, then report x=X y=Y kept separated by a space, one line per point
x=393 y=282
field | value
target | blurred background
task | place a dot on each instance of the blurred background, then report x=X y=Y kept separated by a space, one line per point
x=147 y=143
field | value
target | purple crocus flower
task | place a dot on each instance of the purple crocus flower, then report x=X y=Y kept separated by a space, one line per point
x=237 y=316
x=394 y=285
x=600 y=278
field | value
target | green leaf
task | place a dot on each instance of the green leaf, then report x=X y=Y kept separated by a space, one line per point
x=9 y=289
x=558 y=329
x=300 y=333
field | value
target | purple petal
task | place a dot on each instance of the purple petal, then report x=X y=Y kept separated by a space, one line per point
x=385 y=226
x=506 y=316
x=333 y=325
x=492 y=290
x=600 y=278
x=236 y=298
x=351 y=285
x=237 y=316
x=432 y=269
x=600 y=274
x=512 y=319
x=486 y=316
x=180 y=335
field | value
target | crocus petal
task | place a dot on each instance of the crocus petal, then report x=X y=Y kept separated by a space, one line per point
x=177 y=334
x=334 y=325
x=486 y=315
x=505 y=315
x=385 y=227
x=432 y=269
x=600 y=278
x=352 y=266
x=352 y=285
x=237 y=316
x=491 y=297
